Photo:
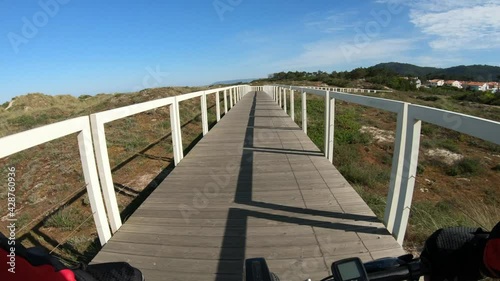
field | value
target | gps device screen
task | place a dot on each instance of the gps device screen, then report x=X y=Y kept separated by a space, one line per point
x=349 y=270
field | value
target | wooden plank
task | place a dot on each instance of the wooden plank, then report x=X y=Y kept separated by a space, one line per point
x=251 y=188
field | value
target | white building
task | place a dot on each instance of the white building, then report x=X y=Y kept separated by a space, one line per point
x=436 y=83
x=478 y=86
x=454 y=83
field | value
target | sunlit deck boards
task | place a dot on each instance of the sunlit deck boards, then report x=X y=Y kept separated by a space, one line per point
x=254 y=186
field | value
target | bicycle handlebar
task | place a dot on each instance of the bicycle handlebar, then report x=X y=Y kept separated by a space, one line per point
x=410 y=271
x=387 y=269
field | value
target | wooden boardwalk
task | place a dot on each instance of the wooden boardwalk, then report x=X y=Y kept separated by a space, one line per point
x=254 y=186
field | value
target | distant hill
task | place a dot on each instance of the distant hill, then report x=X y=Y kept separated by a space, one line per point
x=462 y=72
x=236 y=81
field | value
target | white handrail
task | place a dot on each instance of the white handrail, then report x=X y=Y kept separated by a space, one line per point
x=92 y=135
x=99 y=119
x=407 y=141
x=31 y=138
x=485 y=129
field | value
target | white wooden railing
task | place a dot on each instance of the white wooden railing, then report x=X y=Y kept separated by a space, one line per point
x=81 y=125
x=92 y=136
x=407 y=141
x=97 y=170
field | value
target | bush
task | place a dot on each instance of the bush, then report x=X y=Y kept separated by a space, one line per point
x=466 y=166
x=364 y=174
x=84 y=97
x=428 y=98
x=347 y=129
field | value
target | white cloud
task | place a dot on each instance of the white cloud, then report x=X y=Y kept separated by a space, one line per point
x=461 y=28
x=331 y=21
x=456 y=24
x=338 y=52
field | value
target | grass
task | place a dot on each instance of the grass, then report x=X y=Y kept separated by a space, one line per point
x=41 y=168
x=376 y=202
x=67 y=218
x=427 y=217
x=350 y=156
x=348 y=141
x=371 y=178
x=445 y=143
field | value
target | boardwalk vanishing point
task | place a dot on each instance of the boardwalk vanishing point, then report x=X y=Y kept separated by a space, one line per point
x=254 y=186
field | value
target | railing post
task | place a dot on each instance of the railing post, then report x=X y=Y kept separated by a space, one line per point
x=104 y=169
x=304 y=112
x=331 y=131
x=204 y=113
x=327 y=123
x=284 y=100
x=396 y=170
x=292 y=104
x=92 y=181
x=408 y=177
x=225 y=101
x=231 y=98
x=217 y=105
x=175 y=127
x=279 y=95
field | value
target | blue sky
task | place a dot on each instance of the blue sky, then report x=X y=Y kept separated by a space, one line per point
x=89 y=47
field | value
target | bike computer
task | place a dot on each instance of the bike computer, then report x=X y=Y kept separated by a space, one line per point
x=351 y=269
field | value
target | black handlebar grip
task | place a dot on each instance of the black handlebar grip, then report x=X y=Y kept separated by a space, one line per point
x=410 y=271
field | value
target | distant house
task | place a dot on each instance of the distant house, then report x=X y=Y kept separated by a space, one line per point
x=414 y=80
x=418 y=83
x=477 y=86
x=454 y=83
x=494 y=87
x=436 y=83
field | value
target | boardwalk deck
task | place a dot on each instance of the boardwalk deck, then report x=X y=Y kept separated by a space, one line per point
x=254 y=186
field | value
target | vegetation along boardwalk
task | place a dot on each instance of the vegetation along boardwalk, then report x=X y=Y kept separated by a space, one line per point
x=254 y=186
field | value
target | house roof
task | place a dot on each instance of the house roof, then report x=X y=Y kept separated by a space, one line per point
x=476 y=83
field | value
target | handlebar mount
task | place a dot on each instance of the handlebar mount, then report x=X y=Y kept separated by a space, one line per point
x=386 y=269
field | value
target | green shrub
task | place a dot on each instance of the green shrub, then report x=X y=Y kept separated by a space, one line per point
x=84 y=97
x=428 y=98
x=466 y=166
x=449 y=145
x=420 y=169
x=25 y=121
x=347 y=129
x=364 y=174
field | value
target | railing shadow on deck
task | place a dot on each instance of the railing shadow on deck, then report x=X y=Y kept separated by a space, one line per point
x=407 y=141
x=233 y=249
